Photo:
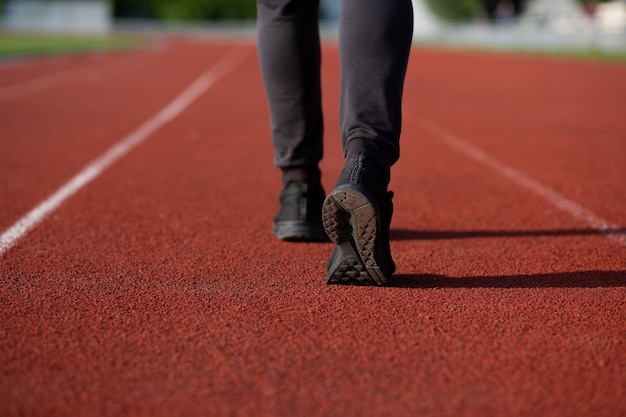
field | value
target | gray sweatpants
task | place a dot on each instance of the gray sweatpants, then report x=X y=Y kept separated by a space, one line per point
x=374 y=43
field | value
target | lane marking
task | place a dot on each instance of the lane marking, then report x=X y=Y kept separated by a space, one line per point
x=100 y=164
x=557 y=200
x=47 y=82
x=61 y=78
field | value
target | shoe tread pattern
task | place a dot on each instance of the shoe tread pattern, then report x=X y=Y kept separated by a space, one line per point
x=342 y=210
x=350 y=271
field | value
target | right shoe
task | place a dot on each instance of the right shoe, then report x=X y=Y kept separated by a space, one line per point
x=299 y=218
x=357 y=217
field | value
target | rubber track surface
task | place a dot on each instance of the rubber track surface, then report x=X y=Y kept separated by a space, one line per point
x=159 y=290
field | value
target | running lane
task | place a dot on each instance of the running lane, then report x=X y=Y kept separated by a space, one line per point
x=158 y=288
x=47 y=137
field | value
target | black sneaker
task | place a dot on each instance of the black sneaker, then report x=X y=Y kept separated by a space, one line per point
x=357 y=216
x=299 y=218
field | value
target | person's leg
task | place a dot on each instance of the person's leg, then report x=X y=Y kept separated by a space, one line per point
x=289 y=54
x=374 y=43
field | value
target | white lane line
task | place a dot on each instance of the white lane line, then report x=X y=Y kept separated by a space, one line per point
x=554 y=198
x=99 y=165
x=62 y=78
x=46 y=82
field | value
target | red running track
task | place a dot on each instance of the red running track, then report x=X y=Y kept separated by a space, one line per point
x=157 y=289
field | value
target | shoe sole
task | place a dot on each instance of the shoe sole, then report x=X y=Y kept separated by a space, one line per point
x=297 y=231
x=351 y=222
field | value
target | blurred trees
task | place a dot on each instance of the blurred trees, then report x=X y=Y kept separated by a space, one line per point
x=453 y=10
x=185 y=9
x=463 y=10
x=246 y=9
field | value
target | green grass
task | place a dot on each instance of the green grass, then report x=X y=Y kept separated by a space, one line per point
x=588 y=54
x=32 y=44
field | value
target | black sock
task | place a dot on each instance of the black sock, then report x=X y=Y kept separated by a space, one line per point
x=305 y=174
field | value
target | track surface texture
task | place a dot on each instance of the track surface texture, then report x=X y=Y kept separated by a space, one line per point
x=157 y=288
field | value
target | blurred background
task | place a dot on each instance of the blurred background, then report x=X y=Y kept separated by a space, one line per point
x=509 y=24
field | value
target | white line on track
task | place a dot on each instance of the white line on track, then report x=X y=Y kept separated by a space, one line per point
x=61 y=78
x=44 y=83
x=99 y=165
x=554 y=198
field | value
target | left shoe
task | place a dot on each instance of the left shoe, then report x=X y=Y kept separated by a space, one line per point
x=300 y=215
x=357 y=217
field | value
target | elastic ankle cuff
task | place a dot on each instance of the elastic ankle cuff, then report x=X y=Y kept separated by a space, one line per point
x=304 y=174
